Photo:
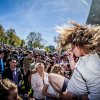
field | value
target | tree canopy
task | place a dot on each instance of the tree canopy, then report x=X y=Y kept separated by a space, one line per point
x=9 y=37
x=35 y=40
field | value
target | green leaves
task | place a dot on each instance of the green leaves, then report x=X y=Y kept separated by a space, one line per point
x=35 y=40
x=9 y=37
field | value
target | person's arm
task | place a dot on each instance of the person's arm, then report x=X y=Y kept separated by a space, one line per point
x=70 y=96
x=71 y=59
x=47 y=68
x=55 y=86
x=45 y=93
x=66 y=96
x=72 y=64
x=29 y=77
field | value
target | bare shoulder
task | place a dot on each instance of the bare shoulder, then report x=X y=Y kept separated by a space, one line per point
x=51 y=75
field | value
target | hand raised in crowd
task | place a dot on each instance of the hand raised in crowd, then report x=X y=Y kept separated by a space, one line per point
x=71 y=59
x=70 y=54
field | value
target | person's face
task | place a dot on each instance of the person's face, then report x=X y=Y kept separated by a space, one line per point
x=13 y=95
x=76 y=50
x=65 y=58
x=13 y=64
x=61 y=72
x=66 y=67
x=48 y=63
x=40 y=68
x=2 y=55
x=30 y=55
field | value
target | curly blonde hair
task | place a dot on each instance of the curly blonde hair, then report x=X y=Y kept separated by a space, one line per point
x=84 y=36
x=55 y=69
x=6 y=86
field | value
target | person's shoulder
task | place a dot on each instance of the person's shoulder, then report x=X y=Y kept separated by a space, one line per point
x=7 y=72
x=25 y=58
x=34 y=75
x=7 y=69
x=45 y=73
x=90 y=58
x=87 y=56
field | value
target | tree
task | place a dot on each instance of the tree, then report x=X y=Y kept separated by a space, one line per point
x=22 y=43
x=12 y=38
x=2 y=34
x=17 y=41
x=47 y=49
x=52 y=48
x=35 y=39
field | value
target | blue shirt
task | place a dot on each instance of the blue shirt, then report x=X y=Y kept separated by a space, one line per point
x=1 y=66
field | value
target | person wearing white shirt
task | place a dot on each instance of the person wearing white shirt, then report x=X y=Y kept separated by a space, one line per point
x=37 y=81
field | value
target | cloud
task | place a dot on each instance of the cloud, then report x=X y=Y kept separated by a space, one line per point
x=42 y=16
x=85 y=3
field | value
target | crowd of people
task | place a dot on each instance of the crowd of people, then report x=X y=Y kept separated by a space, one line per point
x=70 y=75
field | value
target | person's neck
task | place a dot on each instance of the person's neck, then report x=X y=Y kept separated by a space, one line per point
x=13 y=68
x=41 y=74
x=83 y=53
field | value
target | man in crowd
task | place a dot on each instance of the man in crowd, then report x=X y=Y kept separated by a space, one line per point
x=12 y=72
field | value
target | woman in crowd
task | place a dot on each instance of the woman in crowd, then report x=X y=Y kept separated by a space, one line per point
x=85 y=44
x=49 y=63
x=37 y=81
x=52 y=87
x=57 y=69
x=8 y=90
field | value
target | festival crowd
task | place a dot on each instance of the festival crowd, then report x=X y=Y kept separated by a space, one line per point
x=70 y=75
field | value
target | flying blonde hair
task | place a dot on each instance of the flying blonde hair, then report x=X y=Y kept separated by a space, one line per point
x=85 y=36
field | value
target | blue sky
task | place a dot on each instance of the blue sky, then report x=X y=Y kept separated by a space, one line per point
x=42 y=16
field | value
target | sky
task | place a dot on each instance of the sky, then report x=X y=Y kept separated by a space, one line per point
x=41 y=16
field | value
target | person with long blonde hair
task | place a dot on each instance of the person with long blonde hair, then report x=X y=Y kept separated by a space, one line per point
x=37 y=81
x=84 y=41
